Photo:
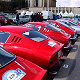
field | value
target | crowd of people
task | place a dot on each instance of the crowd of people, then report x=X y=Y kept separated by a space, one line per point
x=37 y=17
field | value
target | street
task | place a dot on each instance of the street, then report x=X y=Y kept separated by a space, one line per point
x=72 y=69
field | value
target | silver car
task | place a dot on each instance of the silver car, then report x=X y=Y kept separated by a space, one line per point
x=22 y=19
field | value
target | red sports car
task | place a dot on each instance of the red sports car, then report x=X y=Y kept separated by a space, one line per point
x=16 y=68
x=51 y=31
x=31 y=45
x=65 y=28
x=4 y=20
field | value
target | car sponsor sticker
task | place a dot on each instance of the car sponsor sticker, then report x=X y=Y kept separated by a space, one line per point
x=51 y=43
x=17 y=74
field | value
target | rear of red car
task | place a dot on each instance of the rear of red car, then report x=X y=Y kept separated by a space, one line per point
x=53 y=32
x=31 y=45
x=65 y=28
x=55 y=52
x=21 y=69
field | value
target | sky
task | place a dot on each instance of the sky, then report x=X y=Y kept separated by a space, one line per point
x=68 y=3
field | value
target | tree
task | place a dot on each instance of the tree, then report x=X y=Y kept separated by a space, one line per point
x=18 y=4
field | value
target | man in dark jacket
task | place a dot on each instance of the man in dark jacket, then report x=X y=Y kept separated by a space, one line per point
x=17 y=19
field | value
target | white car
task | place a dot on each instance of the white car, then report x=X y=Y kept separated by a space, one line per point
x=22 y=18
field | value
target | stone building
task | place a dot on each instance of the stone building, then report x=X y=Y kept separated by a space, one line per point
x=39 y=5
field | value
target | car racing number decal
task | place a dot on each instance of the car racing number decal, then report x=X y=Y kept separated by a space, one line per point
x=51 y=43
x=17 y=74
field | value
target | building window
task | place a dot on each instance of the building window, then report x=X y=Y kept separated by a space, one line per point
x=56 y=11
x=36 y=3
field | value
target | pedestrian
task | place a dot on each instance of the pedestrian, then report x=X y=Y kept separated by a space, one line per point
x=41 y=17
x=17 y=19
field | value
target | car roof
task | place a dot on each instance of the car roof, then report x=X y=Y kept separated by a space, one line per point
x=38 y=23
x=52 y=21
x=14 y=29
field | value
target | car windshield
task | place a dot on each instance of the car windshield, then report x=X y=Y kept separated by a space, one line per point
x=53 y=25
x=35 y=35
x=5 y=57
x=35 y=27
x=64 y=24
x=52 y=28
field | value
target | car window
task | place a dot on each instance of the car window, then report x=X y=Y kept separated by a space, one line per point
x=72 y=23
x=26 y=16
x=35 y=27
x=22 y=16
x=52 y=23
x=5 y=57
x=4 y=36
x=51 y=27
x=35 y=35
x=65 y=24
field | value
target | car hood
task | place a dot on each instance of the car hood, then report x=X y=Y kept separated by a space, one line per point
x=51 y=46
x=64 y=34
x=19 y=70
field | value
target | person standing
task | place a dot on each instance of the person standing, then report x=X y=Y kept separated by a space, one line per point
x=17 y=19
x=41 y=16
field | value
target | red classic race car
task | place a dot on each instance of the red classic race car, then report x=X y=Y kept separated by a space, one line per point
x=51 y=31
x=64 y=27
x=16 y=68
x=31 y=45
x=4 y=20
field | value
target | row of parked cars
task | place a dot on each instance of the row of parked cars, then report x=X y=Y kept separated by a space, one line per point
x=29 y=51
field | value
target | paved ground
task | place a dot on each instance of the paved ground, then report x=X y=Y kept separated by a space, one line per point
x=73 y=62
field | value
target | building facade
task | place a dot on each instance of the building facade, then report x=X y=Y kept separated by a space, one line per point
x=49 y=5
x=39 y=5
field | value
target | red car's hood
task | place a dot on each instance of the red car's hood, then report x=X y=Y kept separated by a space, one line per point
x=51 y=46
x=19 y=70
x=69 y=31
x=64 y=34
